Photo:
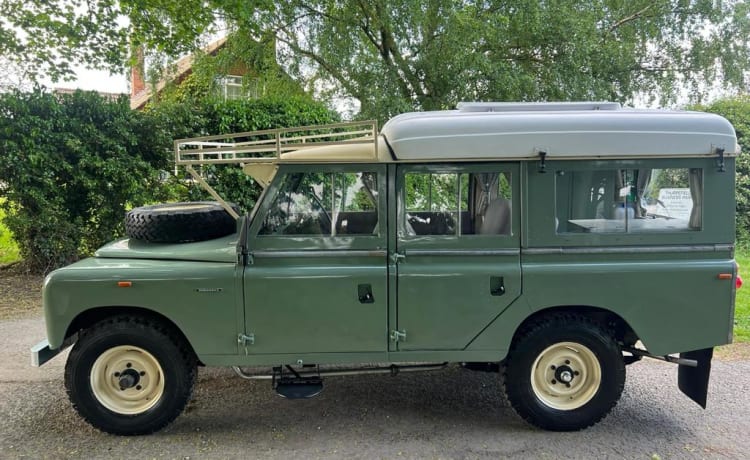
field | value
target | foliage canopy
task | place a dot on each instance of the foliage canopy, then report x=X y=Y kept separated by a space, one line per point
x=400 y=55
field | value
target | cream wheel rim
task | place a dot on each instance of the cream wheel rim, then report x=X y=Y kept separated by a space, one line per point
x=566 y=375
x=127 y=380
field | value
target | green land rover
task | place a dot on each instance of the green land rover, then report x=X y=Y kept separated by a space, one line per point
x=552 y=243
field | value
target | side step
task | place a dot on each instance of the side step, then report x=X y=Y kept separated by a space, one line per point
x=308 y=382
x=293 y=385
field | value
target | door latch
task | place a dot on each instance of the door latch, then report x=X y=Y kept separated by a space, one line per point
x=398 y=336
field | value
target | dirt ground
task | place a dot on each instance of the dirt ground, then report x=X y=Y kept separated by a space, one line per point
x=20 y=293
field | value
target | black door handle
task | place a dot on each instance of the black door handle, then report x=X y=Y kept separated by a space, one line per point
x=364 y=292
x=497 y=286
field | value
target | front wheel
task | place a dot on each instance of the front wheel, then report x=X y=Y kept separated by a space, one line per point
x=564 y=373
x=129 y=376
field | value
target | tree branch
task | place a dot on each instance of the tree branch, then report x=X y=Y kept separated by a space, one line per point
x=627 y=19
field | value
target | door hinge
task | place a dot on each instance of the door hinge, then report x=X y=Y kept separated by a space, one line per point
x=246 y=339
x=397 y=257
x=398 y=336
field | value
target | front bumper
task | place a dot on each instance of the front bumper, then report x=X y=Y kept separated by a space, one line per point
x=41 y=353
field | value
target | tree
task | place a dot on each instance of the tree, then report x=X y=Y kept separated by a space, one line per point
x=737 y=111
x=401 y=55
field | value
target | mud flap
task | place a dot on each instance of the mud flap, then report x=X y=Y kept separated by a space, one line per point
x=693 y=381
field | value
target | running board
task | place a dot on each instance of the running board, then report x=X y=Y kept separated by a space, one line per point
x=392 y=369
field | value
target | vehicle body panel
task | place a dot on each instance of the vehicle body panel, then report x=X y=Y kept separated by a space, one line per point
x=200 y=298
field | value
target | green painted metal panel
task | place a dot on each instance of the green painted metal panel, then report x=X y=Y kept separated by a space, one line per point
x=311 y=304
x=302 y=293
x=673 y=307
x=445 y=283
x=201 y=298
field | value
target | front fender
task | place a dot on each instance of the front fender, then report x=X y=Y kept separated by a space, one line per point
x=201 y=298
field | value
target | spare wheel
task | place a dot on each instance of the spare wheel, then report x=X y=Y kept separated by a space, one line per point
x=180 y=222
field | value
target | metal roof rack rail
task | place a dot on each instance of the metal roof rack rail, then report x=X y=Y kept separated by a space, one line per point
x=267 y=146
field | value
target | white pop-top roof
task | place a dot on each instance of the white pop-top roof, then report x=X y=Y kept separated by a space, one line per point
x=562 y=130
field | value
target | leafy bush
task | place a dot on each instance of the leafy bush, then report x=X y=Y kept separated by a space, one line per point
x=72 y=165
x=737 y=111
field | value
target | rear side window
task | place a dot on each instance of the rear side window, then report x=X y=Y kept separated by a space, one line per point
x=629 y=200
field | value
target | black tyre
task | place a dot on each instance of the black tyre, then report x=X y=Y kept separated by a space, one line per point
x=129 y=377
x=179 y=222
x=564 y=373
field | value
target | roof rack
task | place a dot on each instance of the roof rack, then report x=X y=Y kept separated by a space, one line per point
x=535 y=106
x=269 y=145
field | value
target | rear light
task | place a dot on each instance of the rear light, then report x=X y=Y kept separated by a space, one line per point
x=738 y=282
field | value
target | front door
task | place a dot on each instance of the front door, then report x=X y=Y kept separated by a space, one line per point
x=457 y=252
x=317 y=278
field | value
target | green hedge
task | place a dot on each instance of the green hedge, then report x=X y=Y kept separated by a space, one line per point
x=73 y=164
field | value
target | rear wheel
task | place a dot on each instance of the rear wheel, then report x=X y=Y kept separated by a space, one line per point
x=564 y=373
x=128 y=376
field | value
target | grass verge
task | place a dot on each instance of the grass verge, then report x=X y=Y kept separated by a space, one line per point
x=742 y=305
x=8 y=247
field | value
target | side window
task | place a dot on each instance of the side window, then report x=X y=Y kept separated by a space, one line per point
x=324 y=204
x=457 y=203
x=629 y=200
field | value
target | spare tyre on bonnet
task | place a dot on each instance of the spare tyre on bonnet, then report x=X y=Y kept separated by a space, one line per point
x=179 y=222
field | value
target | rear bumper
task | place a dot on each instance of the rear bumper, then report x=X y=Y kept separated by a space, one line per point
x=41 y=353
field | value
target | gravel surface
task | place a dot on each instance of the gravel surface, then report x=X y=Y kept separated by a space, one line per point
x=451 y=413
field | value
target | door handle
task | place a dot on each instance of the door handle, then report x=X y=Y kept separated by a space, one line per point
x=364 y=292
x=497 y=286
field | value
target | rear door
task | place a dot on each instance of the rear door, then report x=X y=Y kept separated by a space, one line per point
x=457 y=254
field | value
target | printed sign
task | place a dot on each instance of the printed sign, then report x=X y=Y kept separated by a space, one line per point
x=677 y=202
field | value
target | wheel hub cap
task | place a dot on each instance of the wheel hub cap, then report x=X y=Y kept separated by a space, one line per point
x=127 y=380
x=566 y=376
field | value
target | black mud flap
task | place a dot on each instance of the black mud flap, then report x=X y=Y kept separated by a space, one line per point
x=693 y=381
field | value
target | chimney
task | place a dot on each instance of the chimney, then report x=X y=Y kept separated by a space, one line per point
x=137 y=78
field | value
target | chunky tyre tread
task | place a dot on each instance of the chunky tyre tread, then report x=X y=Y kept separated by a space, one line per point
x=155 y=419
x=552 y=419
x=179 y=222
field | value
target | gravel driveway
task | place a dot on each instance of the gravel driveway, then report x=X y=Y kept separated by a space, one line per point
x=452 y=413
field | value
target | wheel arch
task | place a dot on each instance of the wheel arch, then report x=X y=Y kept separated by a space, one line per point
x=621 y=330
x=91 y=316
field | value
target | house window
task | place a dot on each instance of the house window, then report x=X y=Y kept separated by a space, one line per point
x=230 y=87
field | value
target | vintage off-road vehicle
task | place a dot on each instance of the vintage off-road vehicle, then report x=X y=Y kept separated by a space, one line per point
x=550 y=243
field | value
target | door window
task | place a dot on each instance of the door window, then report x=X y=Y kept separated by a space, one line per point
x=455 y=203
x=324 y=204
